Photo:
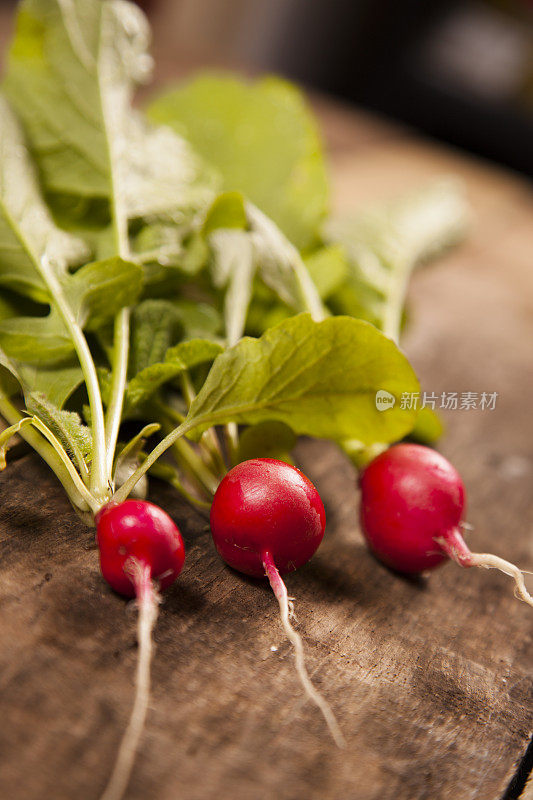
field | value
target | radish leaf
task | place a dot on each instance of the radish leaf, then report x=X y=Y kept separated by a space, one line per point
x=261 y=138
x=27 y=231
x=385 y=244
x=320 y=379
x=72 y=71
x=75 y=437
x=266 y=440
x=178 y=359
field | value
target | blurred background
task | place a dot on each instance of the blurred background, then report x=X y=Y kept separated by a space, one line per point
x=459 y=71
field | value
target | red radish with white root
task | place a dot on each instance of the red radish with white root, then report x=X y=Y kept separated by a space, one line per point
x=412 y=504
x=268 y=518
x=140 y=547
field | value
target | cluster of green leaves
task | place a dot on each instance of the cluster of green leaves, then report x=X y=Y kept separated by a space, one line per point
x=138 y=250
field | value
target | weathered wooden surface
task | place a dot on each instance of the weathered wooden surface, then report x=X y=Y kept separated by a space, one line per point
x=431 y=681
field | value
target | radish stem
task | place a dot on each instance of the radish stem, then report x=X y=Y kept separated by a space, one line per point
x=209 y=438
x=120 y=374
x=147 y=601
x=280 y=592
x=167 y=473
x=392 y=317
x=77 y=492
x=231 y=431
x=98 y=480
x=195 y=465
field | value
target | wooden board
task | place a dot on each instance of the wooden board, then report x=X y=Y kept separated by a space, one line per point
x=431 y=681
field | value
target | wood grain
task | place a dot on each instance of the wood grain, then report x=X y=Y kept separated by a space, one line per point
x=431 y=680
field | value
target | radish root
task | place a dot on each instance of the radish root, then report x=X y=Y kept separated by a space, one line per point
x=147 y=603
x=280 y=592
x=457 y=549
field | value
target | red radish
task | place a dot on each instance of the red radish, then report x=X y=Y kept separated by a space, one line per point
x=412 y=503
x=268 y=518
x=142 y=531
x=139 y=544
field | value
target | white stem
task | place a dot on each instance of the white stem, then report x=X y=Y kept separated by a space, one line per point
x=280 y=591
x=98 y=482
x=120 y=375
x=147 y=600
x=110 y=109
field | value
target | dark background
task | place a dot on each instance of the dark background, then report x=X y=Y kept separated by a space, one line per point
x=459 y=71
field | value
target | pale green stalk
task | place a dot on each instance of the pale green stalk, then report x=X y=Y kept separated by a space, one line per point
x=121 y=335
x=174 y=481
x=195 y=465
x=60 y=450
x=98 y=479
x=392 y=316
x=209 y=438
x=75 y=489
x=120 y=375
x=124 y=491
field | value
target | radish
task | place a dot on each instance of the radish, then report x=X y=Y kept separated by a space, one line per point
x=268 y=518
x=139 y=545
x=412 y=503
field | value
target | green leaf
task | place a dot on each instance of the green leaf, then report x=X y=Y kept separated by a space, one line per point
x=156 y=325
x=428 y=427
x=169 y=253
x=16 y=305
x=9 y=379
x=56 y=382
x=27 y=231
x=227 y=211
x=385 y=244
x=199 y=320
x=99 y=290
x=266 y=440
x=280 y=265
x=320 y=379
x=179 y=358
x=232 y=259
x=236 y=256
x=36 y=340
x=263 y=140
x=146 y=383
x=67 y=426
x=95 y=293
x=328 y=268
x=193 y=352
x=233 y=267
x=72 y=71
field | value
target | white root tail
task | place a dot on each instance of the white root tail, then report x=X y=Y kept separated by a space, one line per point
x=147 y=602
x=489 y=561
x=456 y=548
x=280 y=591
